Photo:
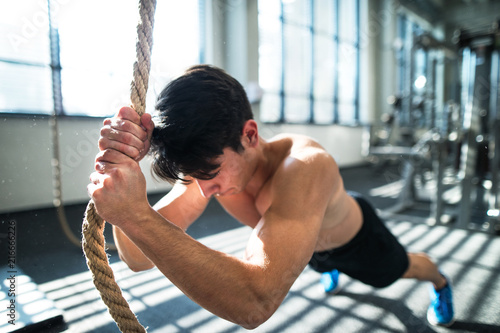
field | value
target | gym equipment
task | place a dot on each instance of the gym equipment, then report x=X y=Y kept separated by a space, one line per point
x=454 y=148
x=417 y=130
x=93 y=224
x=481 y=118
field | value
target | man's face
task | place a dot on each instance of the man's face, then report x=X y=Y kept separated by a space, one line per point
x=232 y=175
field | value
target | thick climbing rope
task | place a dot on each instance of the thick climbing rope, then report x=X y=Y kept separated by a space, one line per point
x=93 y=225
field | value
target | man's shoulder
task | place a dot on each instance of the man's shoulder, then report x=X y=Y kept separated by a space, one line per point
x=294 y=143
x=307 y=174
x=291 y=136
x=304 y=148
x=305 y=157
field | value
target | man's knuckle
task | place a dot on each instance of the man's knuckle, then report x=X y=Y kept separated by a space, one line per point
x=128 y=113
x=101 y=157
x=126 y=126
x=132 y=151
x=122 y=111
x=102 y=142
x=104 y=131
x=107 y=182
x=98 y=166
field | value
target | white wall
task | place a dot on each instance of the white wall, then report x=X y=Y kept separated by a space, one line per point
x=26 y=161
x=342 y=142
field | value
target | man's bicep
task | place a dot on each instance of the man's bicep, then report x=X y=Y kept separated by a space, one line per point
x=286 y=236
x=282 y=249
x=182 y=205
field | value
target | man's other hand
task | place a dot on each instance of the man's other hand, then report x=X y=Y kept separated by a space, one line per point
x=128 y=133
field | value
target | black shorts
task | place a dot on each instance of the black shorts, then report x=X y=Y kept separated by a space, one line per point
x=374 y=256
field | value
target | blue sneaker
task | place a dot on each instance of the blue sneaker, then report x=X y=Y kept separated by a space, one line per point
x=440 y=310
x=330 y=281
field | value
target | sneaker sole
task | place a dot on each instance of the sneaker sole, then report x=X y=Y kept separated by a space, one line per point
x=435 y=323
x=334 y=291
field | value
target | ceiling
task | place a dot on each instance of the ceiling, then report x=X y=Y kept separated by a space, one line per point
x=456 y=13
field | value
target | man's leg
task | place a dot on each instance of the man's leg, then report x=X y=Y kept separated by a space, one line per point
x=422 y=268
x=440 y=311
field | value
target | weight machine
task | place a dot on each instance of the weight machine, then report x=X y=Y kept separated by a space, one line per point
x=450 y=155
x=480 y=150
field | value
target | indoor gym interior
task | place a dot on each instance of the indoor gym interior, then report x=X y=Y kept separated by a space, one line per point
x=404 y=94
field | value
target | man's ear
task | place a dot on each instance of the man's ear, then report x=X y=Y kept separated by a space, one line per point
x=250 y=136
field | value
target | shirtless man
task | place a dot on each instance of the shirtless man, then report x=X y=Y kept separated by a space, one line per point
x=288 y=189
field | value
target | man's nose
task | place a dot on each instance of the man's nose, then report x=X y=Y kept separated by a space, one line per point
x=207 y=188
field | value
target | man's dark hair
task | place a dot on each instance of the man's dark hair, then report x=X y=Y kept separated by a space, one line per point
x=200 y=113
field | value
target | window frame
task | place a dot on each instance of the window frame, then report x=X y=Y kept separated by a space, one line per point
x=55 y=67
x=285 y=96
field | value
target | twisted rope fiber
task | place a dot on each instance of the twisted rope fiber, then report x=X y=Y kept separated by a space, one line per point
x=93 y=225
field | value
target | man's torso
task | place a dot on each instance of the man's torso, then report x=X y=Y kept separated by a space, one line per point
x=342 y=218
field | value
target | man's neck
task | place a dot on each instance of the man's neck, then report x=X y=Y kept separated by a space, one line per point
x=269 y=156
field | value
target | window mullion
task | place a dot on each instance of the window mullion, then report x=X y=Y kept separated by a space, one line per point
x=357 y=78
x=283 y=58
x=336 y=41
x=311 y=85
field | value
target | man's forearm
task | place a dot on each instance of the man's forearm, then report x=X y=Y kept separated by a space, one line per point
x=227 y=286
x=130 y=253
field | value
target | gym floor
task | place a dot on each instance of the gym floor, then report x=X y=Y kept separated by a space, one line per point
x=471 y=259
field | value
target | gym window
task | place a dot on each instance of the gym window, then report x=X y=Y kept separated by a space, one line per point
x=93 y=50
x=309 y=61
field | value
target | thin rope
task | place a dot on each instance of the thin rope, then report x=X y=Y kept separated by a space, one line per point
x=93 y=225
x=55 y=65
